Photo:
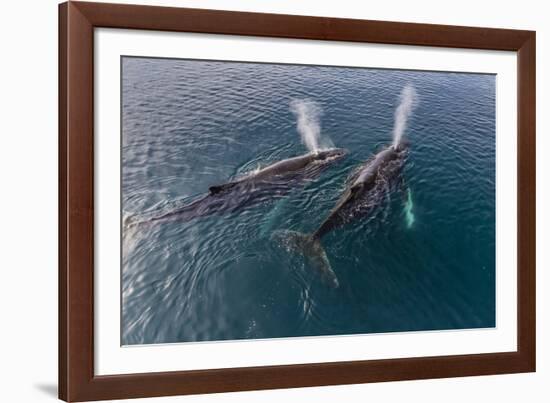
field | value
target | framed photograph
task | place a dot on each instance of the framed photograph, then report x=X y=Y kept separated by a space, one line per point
x=254 y=201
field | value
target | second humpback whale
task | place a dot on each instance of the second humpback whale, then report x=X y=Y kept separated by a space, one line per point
x=366 y=189
x=265 y=184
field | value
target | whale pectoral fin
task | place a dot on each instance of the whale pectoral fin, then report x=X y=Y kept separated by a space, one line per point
x=219 y=188
x=404 y=190
x=408 y=208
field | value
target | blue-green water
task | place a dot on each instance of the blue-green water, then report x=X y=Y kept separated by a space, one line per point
x=424 y=260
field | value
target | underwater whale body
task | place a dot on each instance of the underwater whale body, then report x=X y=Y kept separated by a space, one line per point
x=263 y=185
x=366 y=189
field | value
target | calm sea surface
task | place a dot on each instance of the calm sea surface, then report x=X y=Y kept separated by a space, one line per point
x=188 y=125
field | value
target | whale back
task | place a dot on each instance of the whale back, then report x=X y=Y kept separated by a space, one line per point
x=285 y=166
x=368 y=174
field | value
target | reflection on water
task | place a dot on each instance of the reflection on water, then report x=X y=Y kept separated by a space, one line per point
x=424 y=259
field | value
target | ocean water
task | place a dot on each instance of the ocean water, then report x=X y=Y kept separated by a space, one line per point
x=423 y=260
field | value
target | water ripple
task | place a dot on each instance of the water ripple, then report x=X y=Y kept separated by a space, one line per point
x=188 y=125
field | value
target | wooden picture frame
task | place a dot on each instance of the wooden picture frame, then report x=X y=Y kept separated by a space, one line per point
x=77 y=381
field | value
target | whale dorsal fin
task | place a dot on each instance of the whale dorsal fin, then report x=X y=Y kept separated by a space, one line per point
x=356 y=187
x=219 y=188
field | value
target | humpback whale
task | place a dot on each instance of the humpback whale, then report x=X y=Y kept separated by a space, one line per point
x=271 y=182
x=366 y=189
x=305 y=165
